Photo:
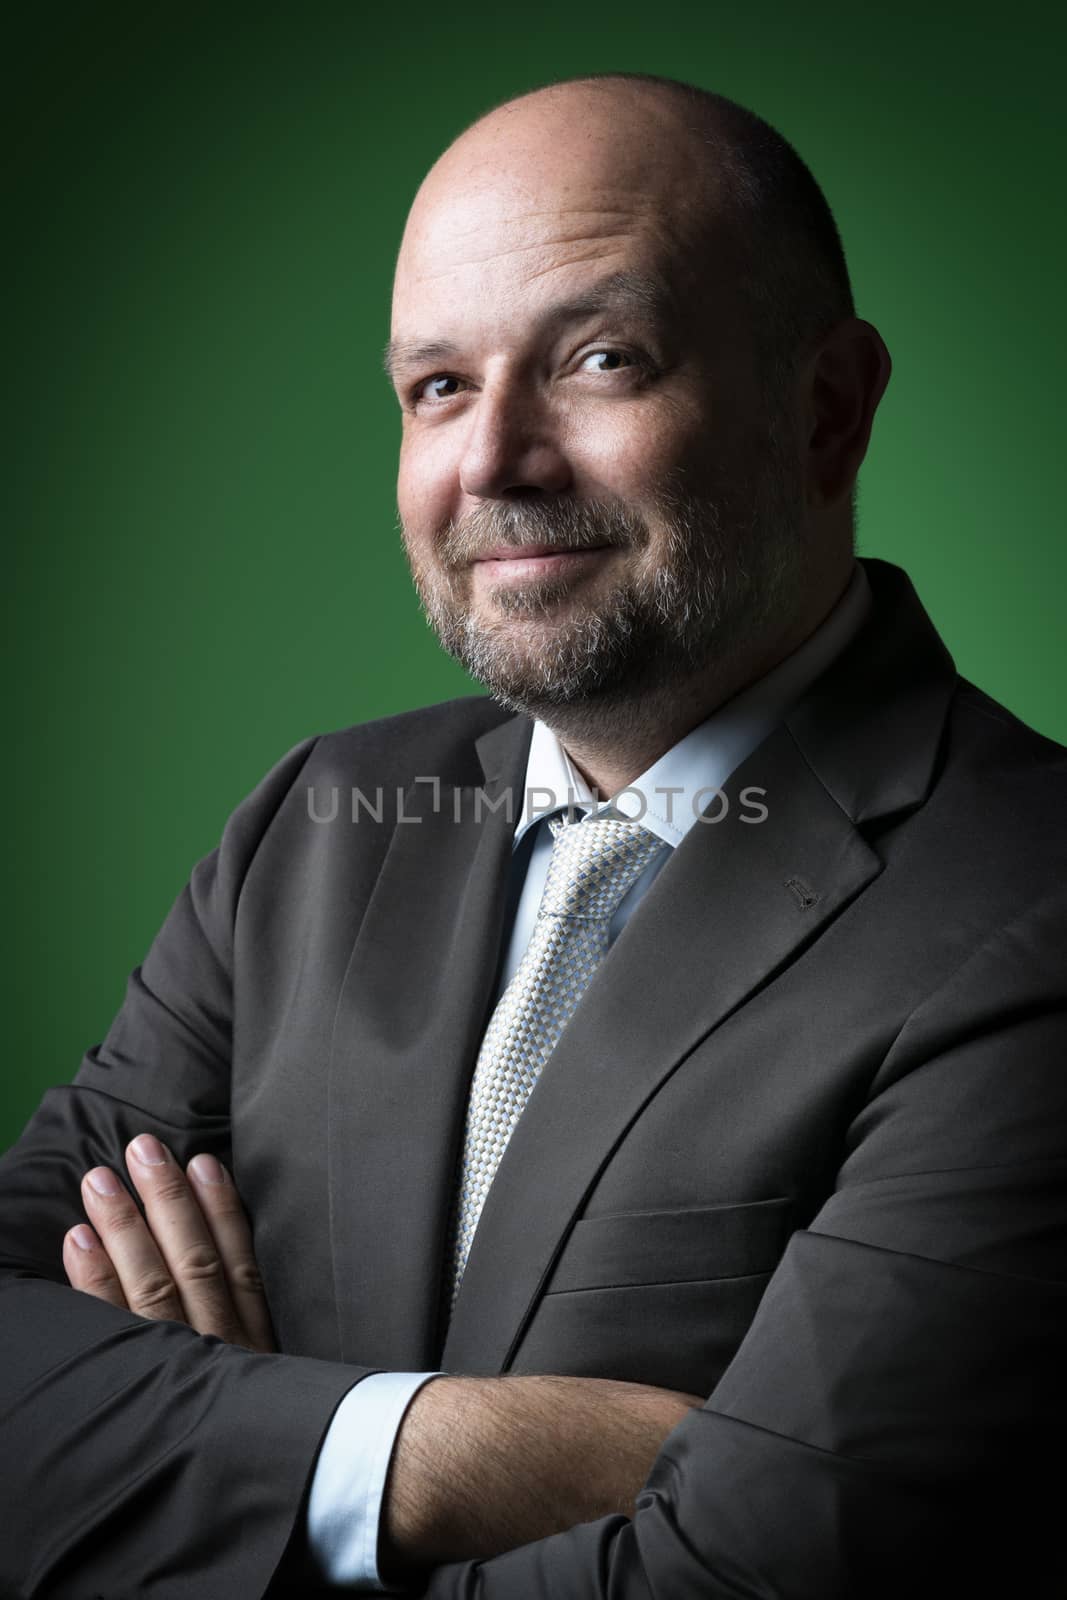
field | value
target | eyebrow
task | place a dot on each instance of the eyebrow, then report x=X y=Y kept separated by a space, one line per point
x=635 y=293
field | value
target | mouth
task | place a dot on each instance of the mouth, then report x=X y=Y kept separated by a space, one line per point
x=514 y=563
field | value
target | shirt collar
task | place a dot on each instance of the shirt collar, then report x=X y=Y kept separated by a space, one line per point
x=671 y=794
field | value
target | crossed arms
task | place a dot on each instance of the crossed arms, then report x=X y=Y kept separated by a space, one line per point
x=480 y=1466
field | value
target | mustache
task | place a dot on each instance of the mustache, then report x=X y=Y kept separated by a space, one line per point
x=566 y=524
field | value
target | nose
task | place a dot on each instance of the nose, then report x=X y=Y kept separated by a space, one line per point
x=513 y=448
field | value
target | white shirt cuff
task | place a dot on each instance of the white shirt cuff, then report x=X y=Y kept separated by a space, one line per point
x=346 y=1492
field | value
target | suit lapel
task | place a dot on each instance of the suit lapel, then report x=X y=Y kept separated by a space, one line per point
x=733 y=906
x=409 y=1020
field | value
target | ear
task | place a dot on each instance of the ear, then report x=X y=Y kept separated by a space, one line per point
x=848 y=377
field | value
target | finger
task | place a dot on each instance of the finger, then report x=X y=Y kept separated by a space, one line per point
x=225 y=1216
x=184 y=1239
x=88 y=1266
x=146 y=1282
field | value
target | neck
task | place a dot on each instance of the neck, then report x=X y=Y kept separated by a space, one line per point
x=612 y=744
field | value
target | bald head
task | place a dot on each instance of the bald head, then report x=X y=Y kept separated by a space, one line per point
x=611 y=169
x=621 y=136
x=729 y=192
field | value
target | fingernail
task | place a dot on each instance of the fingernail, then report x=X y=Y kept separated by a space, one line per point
x=205 y=1169
x=148 y=1150
x=104 y=1181
x=83 y=1237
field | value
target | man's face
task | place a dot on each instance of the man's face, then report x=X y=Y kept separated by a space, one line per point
x=596 y=495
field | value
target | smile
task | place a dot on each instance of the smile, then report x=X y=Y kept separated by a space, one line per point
x=512 y=564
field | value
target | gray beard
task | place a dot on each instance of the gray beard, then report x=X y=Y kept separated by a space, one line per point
x=724 y=582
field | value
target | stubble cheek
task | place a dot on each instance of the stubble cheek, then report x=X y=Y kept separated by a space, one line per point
x=664 y=452
x=427 y=481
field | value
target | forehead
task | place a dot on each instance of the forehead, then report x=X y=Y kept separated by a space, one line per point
x=527 y=210
x=494 y=253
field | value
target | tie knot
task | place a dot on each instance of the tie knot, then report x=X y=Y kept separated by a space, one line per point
x=594 y=863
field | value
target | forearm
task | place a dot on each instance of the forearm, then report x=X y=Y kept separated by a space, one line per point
x=131 y=1447
x=484 y=1465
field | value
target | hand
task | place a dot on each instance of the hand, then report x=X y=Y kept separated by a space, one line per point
x=190 y=1262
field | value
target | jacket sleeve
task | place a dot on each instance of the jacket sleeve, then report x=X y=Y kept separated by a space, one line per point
x=892 y=1424
x=141 y=1458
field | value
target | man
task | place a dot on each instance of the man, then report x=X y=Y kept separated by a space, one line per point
x=668 y=1049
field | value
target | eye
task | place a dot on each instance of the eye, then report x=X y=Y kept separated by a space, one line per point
x=607 y=360
x=442 y=386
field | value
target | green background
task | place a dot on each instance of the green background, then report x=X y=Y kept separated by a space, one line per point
x=203 y=204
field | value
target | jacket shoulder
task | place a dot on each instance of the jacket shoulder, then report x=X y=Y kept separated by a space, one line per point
x=436 y=740
x=1009 y=768
x=1014 y=733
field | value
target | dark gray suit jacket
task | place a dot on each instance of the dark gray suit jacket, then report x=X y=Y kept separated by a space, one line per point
x=800 y=1149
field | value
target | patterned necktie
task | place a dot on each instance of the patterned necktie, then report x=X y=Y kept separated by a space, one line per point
x=593 y=864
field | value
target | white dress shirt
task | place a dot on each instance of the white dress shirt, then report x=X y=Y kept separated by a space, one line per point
x=676 y=791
